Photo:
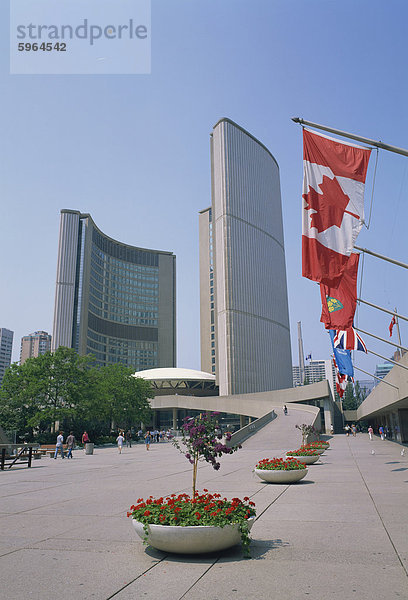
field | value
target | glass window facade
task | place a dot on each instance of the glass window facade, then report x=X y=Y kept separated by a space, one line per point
x=114 y=301
x=123 y=289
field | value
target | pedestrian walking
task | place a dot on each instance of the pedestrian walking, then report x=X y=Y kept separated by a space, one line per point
x=70 y=444
x=331 y=429
x=59 y=445
x=381 y=432
x=354 y=430
x=147 y=440
x=120 y=439
x=347 y=430
x=285 y=409
x=128 y=439
x=370 y=432
x=85 y=438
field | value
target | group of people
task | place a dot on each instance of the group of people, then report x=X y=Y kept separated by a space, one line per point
x=149 y=437
x=350 y=429
x=71 y=443
x=383 y=431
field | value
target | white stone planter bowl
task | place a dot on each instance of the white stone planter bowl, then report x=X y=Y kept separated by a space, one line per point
x=306 y=460
x=191 y=540
x=319 y=450
x=280 y=476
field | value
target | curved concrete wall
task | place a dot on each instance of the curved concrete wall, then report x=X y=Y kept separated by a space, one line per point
x=251 y=405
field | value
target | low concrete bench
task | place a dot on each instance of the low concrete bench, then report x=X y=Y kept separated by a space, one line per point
x=50 y=449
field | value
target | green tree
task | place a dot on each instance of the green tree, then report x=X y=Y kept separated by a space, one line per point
x=349 y=400
x=122 y=400
x=17 y=406
x=359 y=393
x=353 y=396
x=52 y=387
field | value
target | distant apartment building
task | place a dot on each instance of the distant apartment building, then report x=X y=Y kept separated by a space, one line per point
x=113 y=300
x=315 y=371
x=34 y=345
x=244 y=319
x=6 y=347
x=382 y=369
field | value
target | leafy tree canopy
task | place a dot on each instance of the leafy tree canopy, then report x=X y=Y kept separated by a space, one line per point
x=67 y=388
x=122 y=398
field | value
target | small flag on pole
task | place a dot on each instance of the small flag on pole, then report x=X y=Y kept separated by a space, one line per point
x=391 y=326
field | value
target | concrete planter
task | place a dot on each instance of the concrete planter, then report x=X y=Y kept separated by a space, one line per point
x=191 y=540
x=319 y=451
x=307 y=460
x=281 y=476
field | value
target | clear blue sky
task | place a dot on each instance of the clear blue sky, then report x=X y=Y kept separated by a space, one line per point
x=133 y=150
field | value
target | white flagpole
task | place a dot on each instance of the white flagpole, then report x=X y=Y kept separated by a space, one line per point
x=391 y=260
x=398 y=331
x=390 y=312
x=375 y=377
x=397 y=364
x=352 y=136
x=377 y=337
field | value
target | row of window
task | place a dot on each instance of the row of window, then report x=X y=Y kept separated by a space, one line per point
x=111 y=293
x=120 y=253
x=121 y=316
x=118 y=343
x=137 y=364
x=96 y=347
x=105 y=260
x=137 y=280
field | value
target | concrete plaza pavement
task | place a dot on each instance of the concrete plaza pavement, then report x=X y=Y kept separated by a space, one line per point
x=341 y=532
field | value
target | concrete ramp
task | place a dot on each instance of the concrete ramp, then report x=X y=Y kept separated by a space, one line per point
x=281 y=433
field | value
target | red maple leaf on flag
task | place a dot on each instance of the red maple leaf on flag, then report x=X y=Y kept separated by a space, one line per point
x=330 y=205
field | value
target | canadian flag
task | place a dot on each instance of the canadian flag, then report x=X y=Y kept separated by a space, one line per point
x=333 y=204
x=391 y=325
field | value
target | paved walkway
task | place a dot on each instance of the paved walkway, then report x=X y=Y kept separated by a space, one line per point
x=341 y=532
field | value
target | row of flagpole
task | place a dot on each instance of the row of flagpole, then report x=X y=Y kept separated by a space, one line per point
x=333 y=182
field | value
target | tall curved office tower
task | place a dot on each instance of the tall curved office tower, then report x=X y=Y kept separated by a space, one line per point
x=112 y=300
x=245 y=337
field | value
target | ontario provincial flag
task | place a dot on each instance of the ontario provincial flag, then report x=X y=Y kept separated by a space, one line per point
x=339 y=302
x=349 y=339
x=334 y=175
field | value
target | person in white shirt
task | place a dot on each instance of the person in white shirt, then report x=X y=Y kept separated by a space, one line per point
x=120 y=439
x=59 y=445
